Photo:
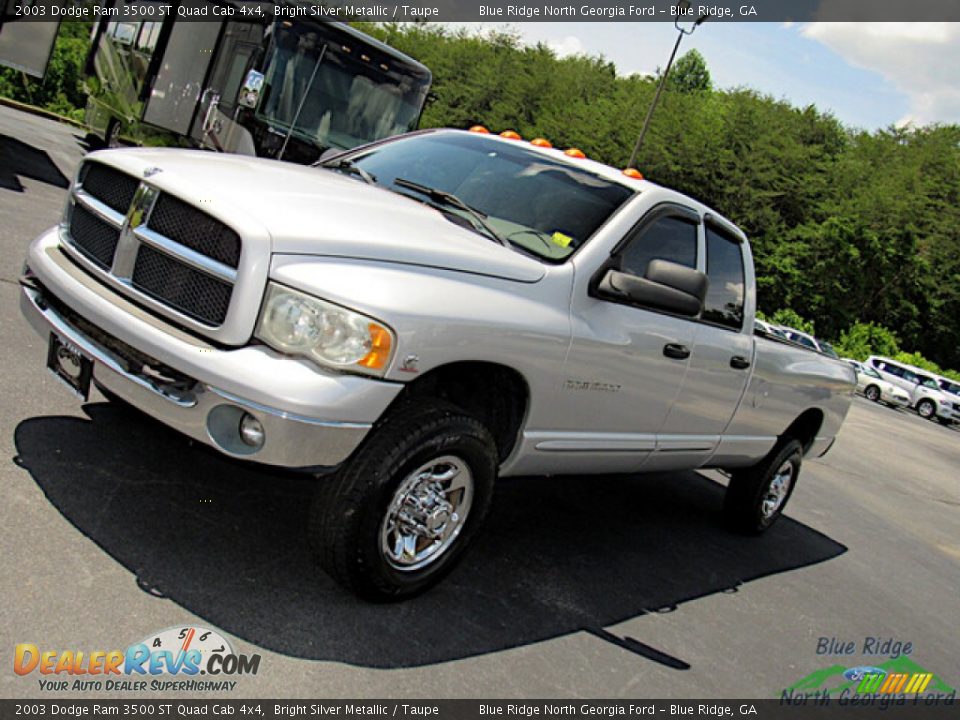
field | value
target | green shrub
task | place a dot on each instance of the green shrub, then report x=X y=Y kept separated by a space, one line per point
x=861 y=340
x=792 y=319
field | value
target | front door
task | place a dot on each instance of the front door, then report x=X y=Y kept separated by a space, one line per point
x=626 y=363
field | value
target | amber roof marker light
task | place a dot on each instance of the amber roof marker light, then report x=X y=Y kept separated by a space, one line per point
x=683 y=8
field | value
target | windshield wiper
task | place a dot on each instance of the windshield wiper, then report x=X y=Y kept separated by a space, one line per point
x=442 y=196
x=351 y=167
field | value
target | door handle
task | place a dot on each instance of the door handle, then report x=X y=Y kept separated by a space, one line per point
x=676 y=351
x=739 y=362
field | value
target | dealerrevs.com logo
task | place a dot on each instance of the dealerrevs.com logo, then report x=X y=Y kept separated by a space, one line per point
x=170 y=660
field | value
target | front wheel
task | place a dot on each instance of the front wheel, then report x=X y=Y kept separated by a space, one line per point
x=926 y=409
x=756 y=496
x=872 y=393
x=395 y=519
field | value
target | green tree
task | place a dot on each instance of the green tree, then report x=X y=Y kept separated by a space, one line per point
x=690 y=74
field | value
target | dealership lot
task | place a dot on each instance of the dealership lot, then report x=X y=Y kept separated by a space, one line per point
x=114 y=528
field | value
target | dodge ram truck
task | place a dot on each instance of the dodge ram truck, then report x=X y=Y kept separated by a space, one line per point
x=410 y=320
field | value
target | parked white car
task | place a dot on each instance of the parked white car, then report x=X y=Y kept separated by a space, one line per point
x=875 y=388
x=926 y=396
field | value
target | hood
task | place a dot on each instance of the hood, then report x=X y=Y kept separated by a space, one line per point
x=313 y=211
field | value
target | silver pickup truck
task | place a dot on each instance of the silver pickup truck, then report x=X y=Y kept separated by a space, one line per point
x=416 y=317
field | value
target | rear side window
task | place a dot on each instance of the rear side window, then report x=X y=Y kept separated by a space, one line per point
x=724 y=302
x=892 y=369
x=669 y=238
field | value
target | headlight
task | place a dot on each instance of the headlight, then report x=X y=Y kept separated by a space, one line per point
x=299 y=324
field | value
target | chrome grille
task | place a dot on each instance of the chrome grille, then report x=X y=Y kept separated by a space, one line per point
x=191 y=292
x=95 y=237
x=150 y=244
x=193 y=228
x=111 y=187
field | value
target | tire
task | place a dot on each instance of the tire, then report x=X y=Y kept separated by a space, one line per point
x=872 y=393
x=749 y=506
x=111 y=136
x=354 y=511
x=926 y=409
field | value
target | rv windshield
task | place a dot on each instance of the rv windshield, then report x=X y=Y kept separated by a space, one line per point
x=336 y=91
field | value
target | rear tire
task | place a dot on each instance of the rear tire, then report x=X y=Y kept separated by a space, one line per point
x=111 y=136
x=926 y=409
x=756 y=496
x=395 y=519
x=872 y=393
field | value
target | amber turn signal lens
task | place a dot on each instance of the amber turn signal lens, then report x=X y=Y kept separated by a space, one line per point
x=574 y=152
x=480 y=129
x=510 y=135
x=633 y=173
x=541 y=142
x=380 y=345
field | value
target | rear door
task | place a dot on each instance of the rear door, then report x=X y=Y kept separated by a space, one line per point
x=720 y=359
x=215 y=125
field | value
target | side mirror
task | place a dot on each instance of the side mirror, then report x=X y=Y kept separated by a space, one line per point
x=329 y=153
x=250 y=90
x=665 y=286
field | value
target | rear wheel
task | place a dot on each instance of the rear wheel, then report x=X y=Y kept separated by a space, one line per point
x=396 y=518
x=111 y=136
x=926 y=409
x=872 y=393
x=756 y=496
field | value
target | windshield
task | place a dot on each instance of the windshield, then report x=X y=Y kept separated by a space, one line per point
x=866 y=370
x=544 y=206
x=827 y=348
x=335 y=91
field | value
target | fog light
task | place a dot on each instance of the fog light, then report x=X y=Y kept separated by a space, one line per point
x=251 y=431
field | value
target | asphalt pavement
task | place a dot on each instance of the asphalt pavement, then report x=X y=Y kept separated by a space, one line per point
x=113 y=527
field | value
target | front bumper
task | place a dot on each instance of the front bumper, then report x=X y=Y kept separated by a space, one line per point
x=311 y=419
x=947 y=413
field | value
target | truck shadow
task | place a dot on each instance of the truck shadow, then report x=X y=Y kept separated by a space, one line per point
x=18 y=159
x=557 y=556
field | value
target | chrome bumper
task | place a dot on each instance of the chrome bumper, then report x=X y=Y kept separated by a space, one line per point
x=211 y=410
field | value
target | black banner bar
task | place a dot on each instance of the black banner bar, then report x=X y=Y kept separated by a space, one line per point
x=511 y=11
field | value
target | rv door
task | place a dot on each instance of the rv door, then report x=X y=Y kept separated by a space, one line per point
x=174 y=99
x=25 y=46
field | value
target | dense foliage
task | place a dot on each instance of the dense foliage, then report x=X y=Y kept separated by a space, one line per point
x=61 y=90
x=857 y=232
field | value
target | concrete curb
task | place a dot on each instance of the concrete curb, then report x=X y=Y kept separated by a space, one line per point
x=34 y=110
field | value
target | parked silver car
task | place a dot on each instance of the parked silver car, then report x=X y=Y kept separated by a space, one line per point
x=875 y=388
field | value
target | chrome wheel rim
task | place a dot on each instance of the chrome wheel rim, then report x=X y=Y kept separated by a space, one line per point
x=925 y=409
x=427 y=513
x=777 y=491
x=873 y=394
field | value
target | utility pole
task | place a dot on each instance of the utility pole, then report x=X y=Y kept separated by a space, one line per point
x=683 y=6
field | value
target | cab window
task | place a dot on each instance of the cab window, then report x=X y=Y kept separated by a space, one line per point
x=667 y=238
